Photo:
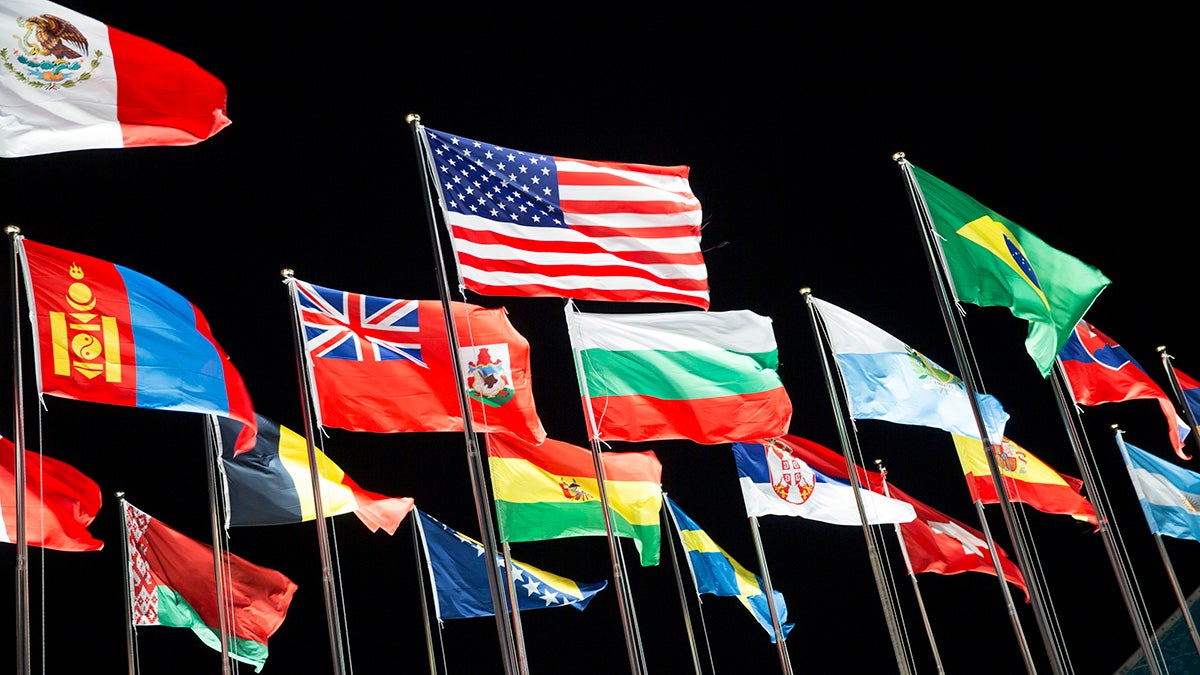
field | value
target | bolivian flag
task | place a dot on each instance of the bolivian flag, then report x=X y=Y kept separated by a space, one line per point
x=550 y=491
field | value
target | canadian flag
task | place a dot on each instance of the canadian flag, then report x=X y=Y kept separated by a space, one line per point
x=70 y=82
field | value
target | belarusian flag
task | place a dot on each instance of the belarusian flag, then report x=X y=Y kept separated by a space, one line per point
x=172 y=583
x=550 y=491
x=709 y=377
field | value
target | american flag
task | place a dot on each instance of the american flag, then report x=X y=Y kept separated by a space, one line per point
x=526 y=224
x=356 y=327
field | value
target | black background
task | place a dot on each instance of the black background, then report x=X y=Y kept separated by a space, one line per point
x=1074 y=122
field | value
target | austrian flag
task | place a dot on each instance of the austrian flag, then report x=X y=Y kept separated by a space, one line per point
x=383 y=365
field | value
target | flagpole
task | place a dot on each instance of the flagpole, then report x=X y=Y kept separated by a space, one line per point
x=1178 y=390
x=937 y=657
x=22 y=567
x=223 y=601
x=632 y=639
x=1061 y=386
x=672 y=524
x=129 y=648
x=483 y=508
x=885 y=596
x=940 y=282
x=424 y=601
x=518 y=632
x=1162 y=552
x=785 y=662
x=332 y=614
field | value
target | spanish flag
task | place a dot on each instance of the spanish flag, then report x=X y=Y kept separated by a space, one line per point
x=272 y=484
x=1027 y=479
x=550 y=491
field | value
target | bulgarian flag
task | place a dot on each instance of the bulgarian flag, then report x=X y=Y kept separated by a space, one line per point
x=172 y=583
x=1026 y=478
x=709 y=377
x=70 y=82
x=550 y=491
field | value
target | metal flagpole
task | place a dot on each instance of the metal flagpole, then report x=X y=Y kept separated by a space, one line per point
x=1070 y=419
x=223 y=600
x=483 y=509
x=785 y=662
x=885 y=596
x=413 y=518
x=129 y=647
x=23 y=654
x=945 y=304
x=673 y=525
x=1162 y=552
x=937 y=657
x=332 y=614
x=1180 y=398
x=633 y=643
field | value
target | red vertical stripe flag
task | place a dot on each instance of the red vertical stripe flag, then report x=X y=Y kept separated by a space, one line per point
x=528 y=224
x=71 y=82
x=60 y=502
x=108 y=334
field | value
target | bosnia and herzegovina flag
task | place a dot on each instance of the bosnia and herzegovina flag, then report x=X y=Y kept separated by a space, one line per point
x=459 y=577
x=995 y=262
x=107 y=334
x=272 y=483
x=550 y=491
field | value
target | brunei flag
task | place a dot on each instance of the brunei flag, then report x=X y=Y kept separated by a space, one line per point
x=272 y=484
x=550 y=491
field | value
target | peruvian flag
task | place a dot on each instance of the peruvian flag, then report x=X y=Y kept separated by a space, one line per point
x=70 y=82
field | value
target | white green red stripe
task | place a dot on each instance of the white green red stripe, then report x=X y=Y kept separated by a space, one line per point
x=705 y=376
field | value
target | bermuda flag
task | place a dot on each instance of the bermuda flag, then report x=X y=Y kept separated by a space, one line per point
x=70 y=82
x=528 y=224
x=1101 y=371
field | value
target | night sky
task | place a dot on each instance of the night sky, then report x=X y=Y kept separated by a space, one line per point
x=1073 y=122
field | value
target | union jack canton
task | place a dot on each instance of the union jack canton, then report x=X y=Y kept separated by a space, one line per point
x=357 y=327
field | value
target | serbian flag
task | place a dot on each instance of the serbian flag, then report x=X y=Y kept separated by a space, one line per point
x=107 y=334
x=1026 y=478
x=60 y=502
x=70 y=82
x=272 y=484
x=383 y=365
x=1101 y=371
x=172 y=582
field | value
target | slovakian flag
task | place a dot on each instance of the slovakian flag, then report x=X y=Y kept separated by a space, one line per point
x=1026 y=479
x=172 y=582
x=528 y=224
x=708 y=377
x=793 y=476
x=550 y=491
x=70 y=82
x=1101 y=371
x=383 y=365
x=107 y=334
x=60 y=502
x=460 y=580
x=272 y=484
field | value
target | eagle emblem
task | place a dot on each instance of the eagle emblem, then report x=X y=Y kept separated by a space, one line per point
x=51 y=53
x=791 y=478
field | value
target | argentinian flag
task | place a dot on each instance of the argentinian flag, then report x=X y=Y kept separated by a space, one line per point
x=886 y=379
x=1170 y=494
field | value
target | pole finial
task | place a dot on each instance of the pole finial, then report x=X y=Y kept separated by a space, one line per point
x=412 y=117
x=12 y=229
x=1160 y=349
x=806 y=291
x=287 y=272
x=897 y=156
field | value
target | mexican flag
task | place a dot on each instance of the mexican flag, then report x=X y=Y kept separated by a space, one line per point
x=709 y=377
x=172 y=583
